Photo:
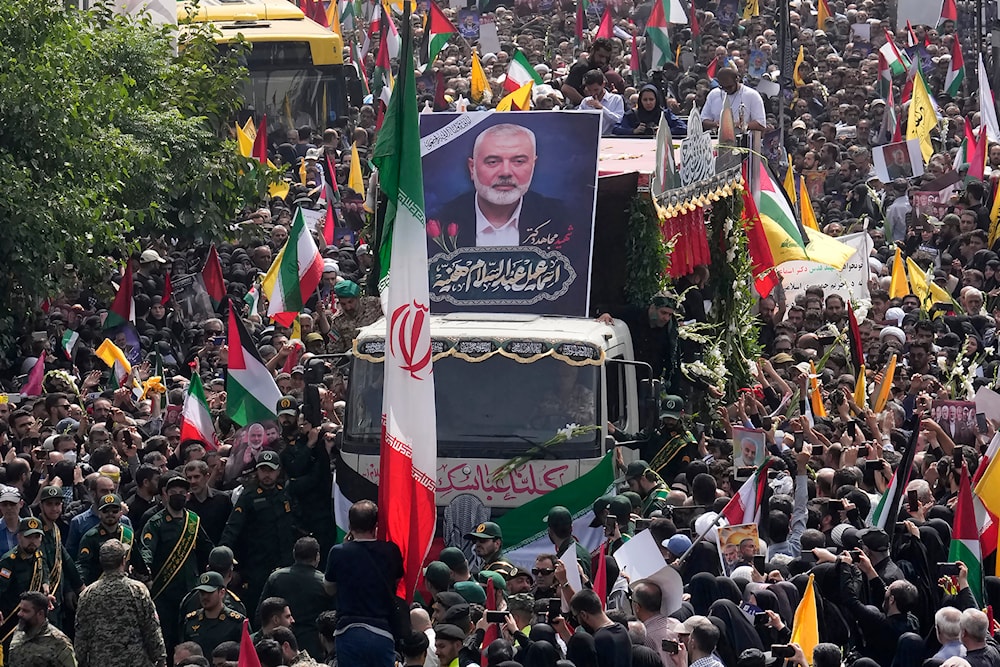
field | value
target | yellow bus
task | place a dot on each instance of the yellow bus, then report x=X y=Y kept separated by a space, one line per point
x=297 y=72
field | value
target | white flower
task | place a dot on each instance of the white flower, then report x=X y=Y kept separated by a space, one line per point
x=567 y=431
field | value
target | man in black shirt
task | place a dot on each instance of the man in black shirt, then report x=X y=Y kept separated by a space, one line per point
x=362 y=574
x=600 y=57
x=614 y=648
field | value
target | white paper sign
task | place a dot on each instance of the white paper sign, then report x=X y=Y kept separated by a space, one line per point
x=640 y=557
x=313 y=218
x=918 y=12
x=573 y=578
x=988 y=402
x=489 y=39
x=850 y=283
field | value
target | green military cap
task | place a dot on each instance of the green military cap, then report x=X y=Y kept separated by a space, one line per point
x=50 y=492
x=485 y=531
x=268 y=459
x=558 y=517
x=671 y=407
x=633 y=498
x=600 y=505
x=347 y=289
x=620 y=508
x=109 y=500
x=454 y=558
x=221 y=559
x=438 y=575
x=288 y=405
x=30 y=526
x=499 y=582
x=449 y=632
x=471 y=591
x=209 y=582
x=314 y=336
x=636 y=469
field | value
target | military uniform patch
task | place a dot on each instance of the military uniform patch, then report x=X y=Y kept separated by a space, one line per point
x=5 y=573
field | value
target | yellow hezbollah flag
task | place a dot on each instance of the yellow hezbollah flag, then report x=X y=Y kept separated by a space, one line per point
x=885 y=388
x=922 y=117
x=806 y=208
x=815 y=397
x=479 y=84
x=995 y=219
x=111 y=354
x=250 y=129
x=333 y=17
x=751 y=9
x=244 y=141
x=861 y=389
x=805 y=627
x=796 y=77
x=898 y=288
x=918 y=280
x=789 y=185
x=354 y=180
x=988 y=487
x=519 y=100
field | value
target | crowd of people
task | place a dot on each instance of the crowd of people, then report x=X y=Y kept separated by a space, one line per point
x=127 y=545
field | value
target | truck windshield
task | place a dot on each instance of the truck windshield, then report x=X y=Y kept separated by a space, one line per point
x=306 y=95
x=496 y=408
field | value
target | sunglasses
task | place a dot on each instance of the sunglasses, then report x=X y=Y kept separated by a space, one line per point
x=541 y=572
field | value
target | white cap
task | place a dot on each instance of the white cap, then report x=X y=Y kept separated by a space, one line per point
x=148 y=256
x=8 y=494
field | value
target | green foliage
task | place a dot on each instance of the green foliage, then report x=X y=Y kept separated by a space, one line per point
x=108 y=136
x=646 y=252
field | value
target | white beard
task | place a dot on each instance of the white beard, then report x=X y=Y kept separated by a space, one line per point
x=499 y=197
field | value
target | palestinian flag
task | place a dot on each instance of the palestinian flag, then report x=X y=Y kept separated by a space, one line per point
x=437 y=32
x=911 y=37
x=581 y=19
x=252 y=298
x=524 y=530
x=294 y=274
x=657 y=33
x=123 y=307
x=949 y=11
x=520 y=72
x=761 y=259
x=965 y=538
x=896 y=61
x=259 y=152
x=885 y=512
x=606 y=29
x=956 y=70
x=382 y=83
x=196 y=420
x=785 y=237
x=69 y=340
x=744 y=507
x=211 y=274
x=33 y=385
x=674 y=12
x=884 y=84
x=347 y=19
x=855 y=346
x=251 y=394
x=977 y=160
x=349 y=486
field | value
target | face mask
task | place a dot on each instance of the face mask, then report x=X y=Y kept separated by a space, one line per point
x=70 y=457
x=177 y=502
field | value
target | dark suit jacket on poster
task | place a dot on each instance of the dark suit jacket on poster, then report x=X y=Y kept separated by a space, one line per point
x=543 y=222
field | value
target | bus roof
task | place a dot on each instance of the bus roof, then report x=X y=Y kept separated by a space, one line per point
x=240 y=10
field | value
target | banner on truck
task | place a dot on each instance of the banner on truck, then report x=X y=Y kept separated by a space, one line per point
x=510 y=200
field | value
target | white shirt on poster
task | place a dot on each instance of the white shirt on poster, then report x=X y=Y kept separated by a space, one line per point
x=507 y=234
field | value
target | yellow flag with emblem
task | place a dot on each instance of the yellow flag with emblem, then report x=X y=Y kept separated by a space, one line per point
x=923 y=117
x=519 y=100
x=898 y=286
x=354 y=180
x=478 y=84
x=801 y=58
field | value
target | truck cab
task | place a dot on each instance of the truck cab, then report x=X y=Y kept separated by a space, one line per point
x=505 y=384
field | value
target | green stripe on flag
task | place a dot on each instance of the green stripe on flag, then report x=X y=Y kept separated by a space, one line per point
x=963 y=550
x=770 y=206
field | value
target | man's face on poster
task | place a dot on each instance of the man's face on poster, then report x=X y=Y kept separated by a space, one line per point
x=502 y=166
x=899 y=157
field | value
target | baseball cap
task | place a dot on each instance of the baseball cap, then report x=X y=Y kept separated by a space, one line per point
x=782 y=358
x=113 y=547
x=677 y=544
x=799 y=125
x=471 y=591
x=8 y=494
x=485 y=531
x=50 y=492
x=671 y=407
x=268 y=459
x=875 y=539
x=600 y=505
x=288 y=405
x=438 y=575
x=209 y=582
x=151 y=256
x=635 y=470
x=175 y=480
x=298 y=370
x=30 y=526
x=314 y=336
x=109 y=500
x=499 y=582
x=558 y=517
x=453 y=558
x=620 y=508
x=221 y=559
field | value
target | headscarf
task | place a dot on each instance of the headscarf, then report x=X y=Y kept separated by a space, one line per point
x=704 y=557
x=643 y=656
x=704 y=591
x=541 y=654
x=742 y=634
x=728 y=590
x=654 y=117
x=581 y=651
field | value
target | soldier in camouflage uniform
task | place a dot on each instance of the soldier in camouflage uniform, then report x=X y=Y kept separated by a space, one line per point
x=36 y=641
x=110 y=511
x=214 y=623
x=355 y=312
x=116 y=622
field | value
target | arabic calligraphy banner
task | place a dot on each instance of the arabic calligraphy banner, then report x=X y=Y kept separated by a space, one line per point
x=510 y=200
x=851 y=282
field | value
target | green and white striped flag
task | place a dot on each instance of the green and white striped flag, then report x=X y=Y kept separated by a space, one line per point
x=525 y=532
x=69 y=340
x=965 y=545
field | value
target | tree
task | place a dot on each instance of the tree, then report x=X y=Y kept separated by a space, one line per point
x=109 y=135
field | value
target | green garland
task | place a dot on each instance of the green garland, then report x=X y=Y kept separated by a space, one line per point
x=647 y=252
x=730 y=281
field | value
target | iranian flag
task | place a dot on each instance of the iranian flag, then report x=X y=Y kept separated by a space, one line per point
x=895 y=61
x=520 y=72
x=606 y=29
x=69 y=340
x=885 y=513
x=211 y=274
x=745 y=505
x=408 y=457
x=657 y=31
x=581 y=19
x=525 y=532
x=123 y=307
x=196 y=420
x=251 y=394
x=956 y=70
x=294 y=274
x=438 y=31
x=965 y=538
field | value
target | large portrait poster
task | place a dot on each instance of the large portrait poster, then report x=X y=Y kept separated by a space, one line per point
x=510 y=200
